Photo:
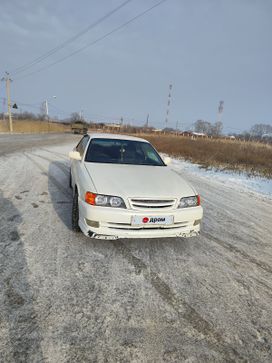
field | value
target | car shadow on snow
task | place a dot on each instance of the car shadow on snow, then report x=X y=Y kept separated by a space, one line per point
x=19 y=326
x=60 y=191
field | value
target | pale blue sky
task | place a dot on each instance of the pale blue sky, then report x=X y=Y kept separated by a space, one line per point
x=210 y=50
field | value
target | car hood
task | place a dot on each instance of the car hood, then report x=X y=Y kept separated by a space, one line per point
x=140 y=181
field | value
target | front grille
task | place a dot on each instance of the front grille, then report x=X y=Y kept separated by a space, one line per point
x=137 y=203
x=129 y=227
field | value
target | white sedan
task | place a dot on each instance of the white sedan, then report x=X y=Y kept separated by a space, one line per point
x=122 y=188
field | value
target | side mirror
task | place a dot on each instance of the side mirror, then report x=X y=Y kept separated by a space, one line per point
x=75 y=155
x=167 y=160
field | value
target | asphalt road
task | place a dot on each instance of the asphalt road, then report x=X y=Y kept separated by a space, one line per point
x=20 y=142
x=67 y=298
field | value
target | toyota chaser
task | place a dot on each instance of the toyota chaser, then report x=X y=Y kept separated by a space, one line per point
x=122 y=188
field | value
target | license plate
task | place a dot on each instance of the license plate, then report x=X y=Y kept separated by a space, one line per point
x=152 y=220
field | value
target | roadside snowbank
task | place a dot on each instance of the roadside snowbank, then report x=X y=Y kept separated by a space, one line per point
x=239 y=181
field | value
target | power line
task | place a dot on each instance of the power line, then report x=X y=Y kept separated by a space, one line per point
x=57 y=108
x=61 y=111
x=95 y=41
x=22 y=103
x=232 y=128
x=68 y=41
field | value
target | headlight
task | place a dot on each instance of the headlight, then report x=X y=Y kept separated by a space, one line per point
x=104 y=200
x=187 y=202
x=116 y=202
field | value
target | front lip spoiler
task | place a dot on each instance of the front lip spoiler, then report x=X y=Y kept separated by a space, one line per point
x=111 y=237
x=101 y=236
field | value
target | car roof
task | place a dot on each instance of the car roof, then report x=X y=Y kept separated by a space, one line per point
x=115 y=136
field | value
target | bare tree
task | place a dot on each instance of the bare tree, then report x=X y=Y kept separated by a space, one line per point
x=75 y=117
x=202 y=126
x=26 y=116
x=258 y=130
x=208 y=128
x=216 y=129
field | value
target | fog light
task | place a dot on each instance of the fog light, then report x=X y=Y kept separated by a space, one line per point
x=94 y=224
x=197 y=222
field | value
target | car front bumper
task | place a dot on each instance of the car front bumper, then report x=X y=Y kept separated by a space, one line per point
x=110 y=223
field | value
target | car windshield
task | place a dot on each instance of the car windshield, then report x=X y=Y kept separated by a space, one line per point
x=115 y=151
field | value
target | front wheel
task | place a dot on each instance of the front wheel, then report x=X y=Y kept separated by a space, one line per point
x=70 y=180
x=75 y=213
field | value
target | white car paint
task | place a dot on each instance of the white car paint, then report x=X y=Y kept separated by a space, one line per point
x=132 y=182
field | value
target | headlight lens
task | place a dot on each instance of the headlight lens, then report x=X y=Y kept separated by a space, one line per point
x=104 y=200
x=187 y=202
x=101 y=200
x=116 y=202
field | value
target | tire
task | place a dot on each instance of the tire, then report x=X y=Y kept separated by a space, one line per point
x=70 y=180
x=75 y=213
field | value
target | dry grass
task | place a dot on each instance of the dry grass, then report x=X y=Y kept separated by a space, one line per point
x=33 y=126
x=252 y=157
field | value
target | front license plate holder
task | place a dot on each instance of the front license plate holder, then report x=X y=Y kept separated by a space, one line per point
x=152 y=220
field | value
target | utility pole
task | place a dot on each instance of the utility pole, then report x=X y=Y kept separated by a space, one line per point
x=46 y=109
x=220 y=111
x=47 y=114
x=4 y=107
x=8 y=80
x=168 y=105
x=81 y=115
x=147 y=120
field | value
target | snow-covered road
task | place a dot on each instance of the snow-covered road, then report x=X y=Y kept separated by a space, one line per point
x=66 y=298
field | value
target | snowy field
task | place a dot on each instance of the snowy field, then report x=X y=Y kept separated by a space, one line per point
x=242 y=182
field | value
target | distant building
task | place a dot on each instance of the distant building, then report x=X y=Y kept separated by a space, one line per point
x=186 y=133
x=114 y=126
x=199 y=134
x=267 y=136
x=193 y=134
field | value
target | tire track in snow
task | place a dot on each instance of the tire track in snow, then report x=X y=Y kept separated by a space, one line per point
x=182 y=308
x=232 y=248
x=65 y=191
x=58 y=165
x=56 y=153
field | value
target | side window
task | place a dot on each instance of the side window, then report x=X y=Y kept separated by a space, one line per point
x=82 y=144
